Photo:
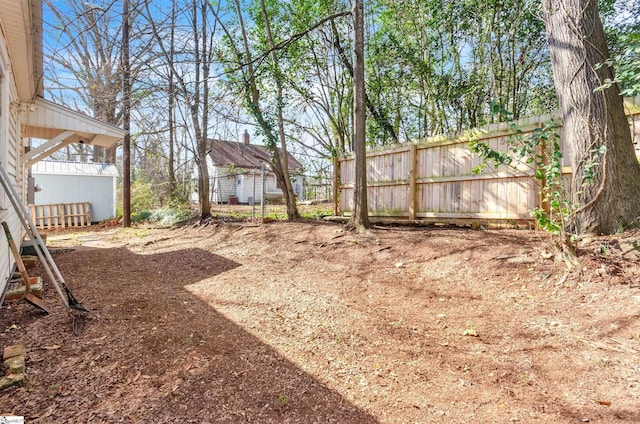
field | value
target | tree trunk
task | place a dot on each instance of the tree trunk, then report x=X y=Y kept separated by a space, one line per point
x=360 y=217
x=592 y=119
x=282 y=163
x=200 y=129
x=172 y=105
x=126 y=118
x=252 y=96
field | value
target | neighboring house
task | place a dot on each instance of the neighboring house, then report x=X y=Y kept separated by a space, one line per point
x=76 y=182
x=235 y=172
x=24 y=114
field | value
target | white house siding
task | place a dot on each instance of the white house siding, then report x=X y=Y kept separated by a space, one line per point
x=222 y=184
x=297 y=182
x=635 y=130
x=245 y=188
x=98 y=190
x=225 y=185
x=271 y=185
x=10 y=146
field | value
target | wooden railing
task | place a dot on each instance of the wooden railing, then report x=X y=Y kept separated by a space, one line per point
x=61 y=215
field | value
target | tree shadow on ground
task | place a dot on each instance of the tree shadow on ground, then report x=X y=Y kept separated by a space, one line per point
x=155 y=352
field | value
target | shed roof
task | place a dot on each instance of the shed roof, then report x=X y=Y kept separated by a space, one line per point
x=74 y=168
x=227 y=153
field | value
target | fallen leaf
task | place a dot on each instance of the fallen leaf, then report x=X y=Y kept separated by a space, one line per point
x=604 y=402
x=52 y=347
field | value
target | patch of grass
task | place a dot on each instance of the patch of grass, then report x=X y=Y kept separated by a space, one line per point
x=164 y=217
x=316 y=212
x=141 y=216
x=282 y=399
x=273 y=212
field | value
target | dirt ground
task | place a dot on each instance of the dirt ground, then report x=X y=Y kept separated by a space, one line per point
x=309 y=323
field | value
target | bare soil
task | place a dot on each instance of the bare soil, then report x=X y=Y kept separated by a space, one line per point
x=310 y=323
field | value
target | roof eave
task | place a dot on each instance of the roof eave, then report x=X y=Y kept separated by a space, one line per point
x=22 y=27
x=47 y=119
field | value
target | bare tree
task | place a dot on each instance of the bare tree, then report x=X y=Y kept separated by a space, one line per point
x=195 y=92
x=172 y=102
x=377 y=113
x=89 y=47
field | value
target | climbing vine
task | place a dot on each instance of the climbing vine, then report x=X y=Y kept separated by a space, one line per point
x=540 y=151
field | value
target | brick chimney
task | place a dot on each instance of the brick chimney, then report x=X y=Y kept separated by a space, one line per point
x=245 y=137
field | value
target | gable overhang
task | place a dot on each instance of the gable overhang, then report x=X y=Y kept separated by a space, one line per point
x=62 y=126
x=21 y=26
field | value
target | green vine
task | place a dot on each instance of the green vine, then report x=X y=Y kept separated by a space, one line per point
x=539 y=151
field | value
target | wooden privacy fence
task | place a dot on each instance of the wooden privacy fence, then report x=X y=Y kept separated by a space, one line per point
x=433 y=180
x=61 y=215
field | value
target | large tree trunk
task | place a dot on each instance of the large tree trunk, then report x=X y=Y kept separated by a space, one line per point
x=592 y=119
x=360 y=217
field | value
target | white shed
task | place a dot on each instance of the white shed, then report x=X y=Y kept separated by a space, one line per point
x=76 y=182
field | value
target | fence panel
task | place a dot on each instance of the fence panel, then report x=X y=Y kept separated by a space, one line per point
x=434 y=179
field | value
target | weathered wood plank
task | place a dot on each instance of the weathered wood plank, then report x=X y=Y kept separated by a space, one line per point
x=61 y=215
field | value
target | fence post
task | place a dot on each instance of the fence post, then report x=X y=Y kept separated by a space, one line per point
x=543 y=182
x=336 y=181
x=413 y=193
